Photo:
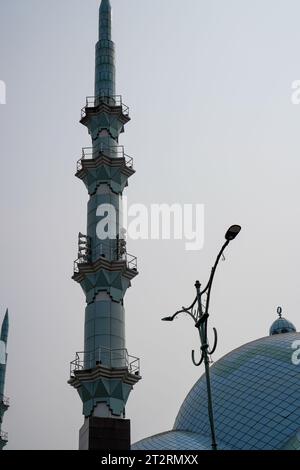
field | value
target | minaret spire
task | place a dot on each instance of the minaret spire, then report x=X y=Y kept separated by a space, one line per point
x=4 y=403
x=105 y=20
x=105 y=54
x=4 y=328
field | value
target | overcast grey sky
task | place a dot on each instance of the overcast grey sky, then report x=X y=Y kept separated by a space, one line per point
x=209 y=88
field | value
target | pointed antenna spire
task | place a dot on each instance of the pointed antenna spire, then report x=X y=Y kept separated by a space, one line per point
x=105 y=76
x=4 y=328
x=105 y=5
x=105 y=20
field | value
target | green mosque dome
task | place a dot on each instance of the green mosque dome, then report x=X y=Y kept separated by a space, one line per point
x=255 y=395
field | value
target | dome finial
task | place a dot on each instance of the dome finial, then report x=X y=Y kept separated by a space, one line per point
x=279 y=311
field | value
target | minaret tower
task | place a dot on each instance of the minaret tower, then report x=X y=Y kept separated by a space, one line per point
x=104 y=374
x=4 y=402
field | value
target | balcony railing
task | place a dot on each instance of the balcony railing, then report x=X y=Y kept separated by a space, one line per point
x=106 y=252
x=111 y=358
x=4 y=400
x=95 y=101
x=4 y=436
x=131 y=261
x=78 y=263
x=116 y=151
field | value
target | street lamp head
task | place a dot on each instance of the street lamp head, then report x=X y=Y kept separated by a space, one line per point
x=167 y=319
x=232 y=232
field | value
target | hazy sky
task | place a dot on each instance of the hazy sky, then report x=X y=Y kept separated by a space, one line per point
x=209 y=88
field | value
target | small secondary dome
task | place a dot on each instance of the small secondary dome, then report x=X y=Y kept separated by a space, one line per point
x=281 y=325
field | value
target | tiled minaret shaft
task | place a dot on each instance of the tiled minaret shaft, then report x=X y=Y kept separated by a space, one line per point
x=104 y=374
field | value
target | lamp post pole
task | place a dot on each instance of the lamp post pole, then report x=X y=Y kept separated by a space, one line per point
x=200 y=316
x=201 y=325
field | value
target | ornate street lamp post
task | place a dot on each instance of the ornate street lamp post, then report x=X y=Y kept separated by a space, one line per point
x=200 y=315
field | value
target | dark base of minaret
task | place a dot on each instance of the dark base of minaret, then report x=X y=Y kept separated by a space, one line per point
x=105 y=434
